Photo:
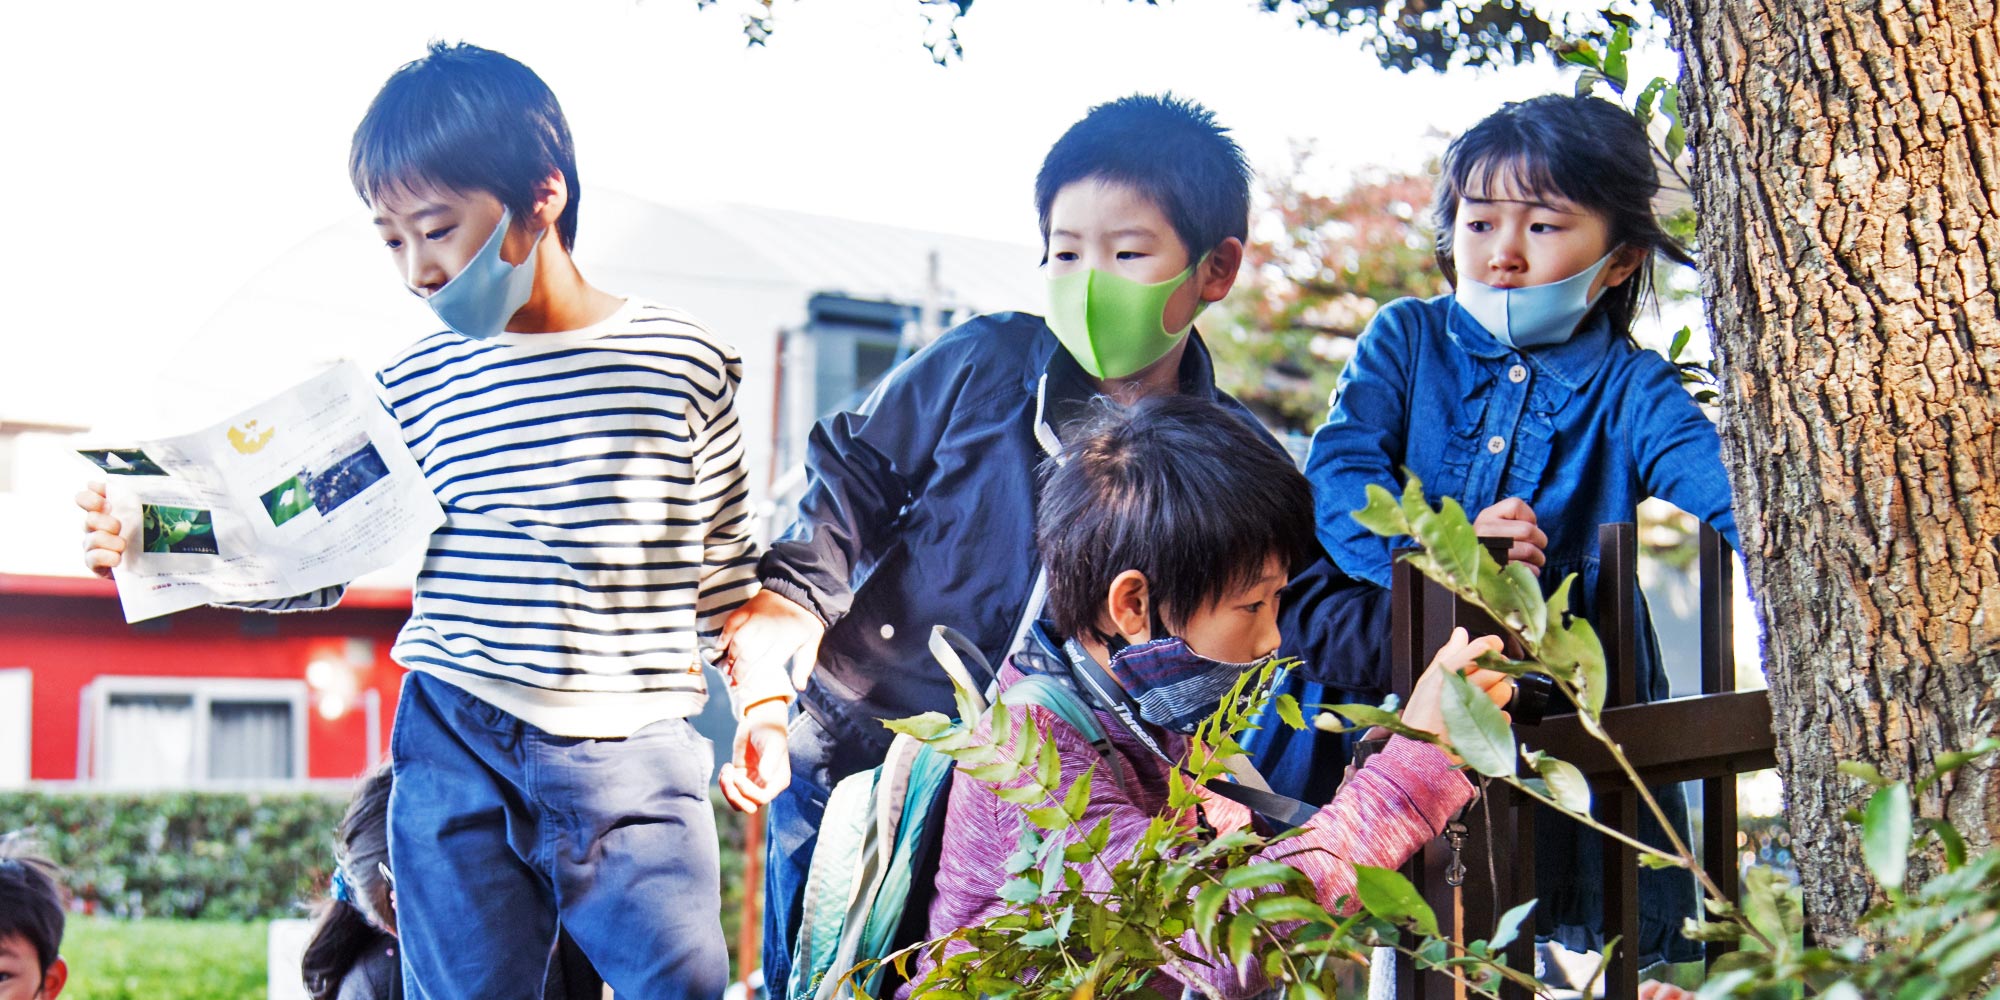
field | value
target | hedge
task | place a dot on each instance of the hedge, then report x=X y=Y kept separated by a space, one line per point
x=225 y=856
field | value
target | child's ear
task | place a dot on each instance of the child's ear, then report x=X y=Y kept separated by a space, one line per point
x=551 y=197
x=1127 y=604
x=1217 y=273
x=1625 y=262
x=53 y=979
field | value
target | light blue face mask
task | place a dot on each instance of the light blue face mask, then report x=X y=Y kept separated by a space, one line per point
x=479 y=301
x=1534 y=316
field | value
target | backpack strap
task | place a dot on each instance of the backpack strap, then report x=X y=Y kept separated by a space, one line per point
x=952 y=649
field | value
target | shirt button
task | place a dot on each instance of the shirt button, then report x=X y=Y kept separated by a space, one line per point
x=889 y=631
x=1496 y=444
x=1518 y=373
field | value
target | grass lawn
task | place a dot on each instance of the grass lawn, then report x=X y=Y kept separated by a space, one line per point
x=163 y=959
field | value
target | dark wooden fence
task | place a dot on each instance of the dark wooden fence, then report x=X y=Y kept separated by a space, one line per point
x=1710 y=738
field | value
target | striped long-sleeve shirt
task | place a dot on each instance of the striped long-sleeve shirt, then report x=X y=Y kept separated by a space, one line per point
x=596 y=516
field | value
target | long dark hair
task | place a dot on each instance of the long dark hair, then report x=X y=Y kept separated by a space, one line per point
x=1587 y=150
x=344 y=931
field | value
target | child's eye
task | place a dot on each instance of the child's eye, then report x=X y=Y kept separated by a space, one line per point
x=438 y=234
x=1065 y=255
x=393 y=244
x=1544 y=227
x=1130 y=254
x=1478 y=226
x=1254 y=607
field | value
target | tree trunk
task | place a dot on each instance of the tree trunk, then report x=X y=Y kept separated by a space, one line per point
x=1847 y=179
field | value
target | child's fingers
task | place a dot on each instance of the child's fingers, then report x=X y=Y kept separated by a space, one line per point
x=91 y=497
x=726 y=780
x=101 y=523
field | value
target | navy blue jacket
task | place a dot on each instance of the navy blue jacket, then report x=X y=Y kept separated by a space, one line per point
x=919 y=510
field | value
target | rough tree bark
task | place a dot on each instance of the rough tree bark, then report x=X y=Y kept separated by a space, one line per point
x=1847 y=178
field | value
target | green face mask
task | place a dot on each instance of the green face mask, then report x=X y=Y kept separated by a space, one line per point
x=1114 y=326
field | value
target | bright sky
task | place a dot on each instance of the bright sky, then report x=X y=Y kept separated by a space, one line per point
x=165 y=153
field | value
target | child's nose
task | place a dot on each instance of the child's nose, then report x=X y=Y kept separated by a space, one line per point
x=423 y=273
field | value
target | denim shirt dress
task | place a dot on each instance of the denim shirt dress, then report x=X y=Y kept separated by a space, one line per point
x=1583 y=431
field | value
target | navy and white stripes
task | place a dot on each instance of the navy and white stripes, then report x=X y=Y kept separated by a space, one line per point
x=596 y=516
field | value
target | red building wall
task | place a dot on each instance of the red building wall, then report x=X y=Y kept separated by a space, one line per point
x=68 y=631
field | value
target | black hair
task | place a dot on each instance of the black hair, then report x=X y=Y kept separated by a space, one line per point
x=1177 y=488
x=344 y=930
x=1167 y=148
x=466 y=119
x=31 y=899
x=1586 y=150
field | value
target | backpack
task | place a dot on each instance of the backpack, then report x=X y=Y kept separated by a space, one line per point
x=880 y=836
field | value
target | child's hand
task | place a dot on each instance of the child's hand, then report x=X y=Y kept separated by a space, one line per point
x=768 y=629
x=1425 y=711
x=1653 y=989
x=102 y=547
x=1512 y=518
x=762 y=762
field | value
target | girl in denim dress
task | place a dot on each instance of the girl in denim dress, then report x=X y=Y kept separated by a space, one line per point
x=1524 y=396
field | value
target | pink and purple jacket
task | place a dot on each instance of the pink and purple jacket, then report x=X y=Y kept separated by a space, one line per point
x=1401 y=798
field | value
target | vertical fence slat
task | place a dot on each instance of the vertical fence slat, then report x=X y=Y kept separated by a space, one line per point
x=1618 y=578
x=1718 y=676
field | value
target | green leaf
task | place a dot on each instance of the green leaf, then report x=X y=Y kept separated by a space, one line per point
x=1451 y=544
x=1020 y=795
x=1642 y=109
x=1078 y=798
x=1052 y=874
x=1670 y=105
x=1050 y=818
x=1413 y=503
x=1368 y=715
x=1207 y=906
x=1048 y=766
x=1566 y=784
x=1681 y=336
x=1262 y=874
x=1510 y=925
x=1020 y=861
x=1288 y=710
x=1953 y=760
x=1514 y=595
x=1657 y=861
x=1477 y=729
x=1614 y=58
x=1954 y=845
x=1242 y=936
x=1581 y=54
x=1865 y=771
x=1021 y=891
x=1381 y=515
x=1282 y=908
x=996 y=772
x=1387 y=894
x=1885 y=835
x=925 y=727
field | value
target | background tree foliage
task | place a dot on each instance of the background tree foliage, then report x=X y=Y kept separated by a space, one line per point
x=1317 y=268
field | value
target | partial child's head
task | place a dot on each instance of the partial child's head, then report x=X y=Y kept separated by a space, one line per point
x=1144 y=188
x=361 y=909
x=451 y=141
x=31 y=924
x=1543 y=189
x=1173 y=517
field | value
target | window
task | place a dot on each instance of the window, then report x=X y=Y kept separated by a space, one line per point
x=156 y=732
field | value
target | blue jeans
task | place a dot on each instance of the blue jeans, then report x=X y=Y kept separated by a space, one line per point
x=498 y=832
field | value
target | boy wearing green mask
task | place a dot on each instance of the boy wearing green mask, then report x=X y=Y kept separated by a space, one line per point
x=920 y=507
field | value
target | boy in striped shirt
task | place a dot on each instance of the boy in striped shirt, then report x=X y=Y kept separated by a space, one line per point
x=586 y=451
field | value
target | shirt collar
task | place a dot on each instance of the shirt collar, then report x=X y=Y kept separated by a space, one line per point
x=1571 y=362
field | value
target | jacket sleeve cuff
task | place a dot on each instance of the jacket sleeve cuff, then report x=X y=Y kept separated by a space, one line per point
x=1426 y=777
x=798 y=594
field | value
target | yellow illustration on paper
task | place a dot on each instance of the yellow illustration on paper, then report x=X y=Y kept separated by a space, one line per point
x=248 y=440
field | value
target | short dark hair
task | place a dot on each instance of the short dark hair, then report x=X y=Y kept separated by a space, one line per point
x=1585 y=149
x=1167 y=148
x=1177 y=488
x=31 y=898
x=344 y=929
x=466 y=119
